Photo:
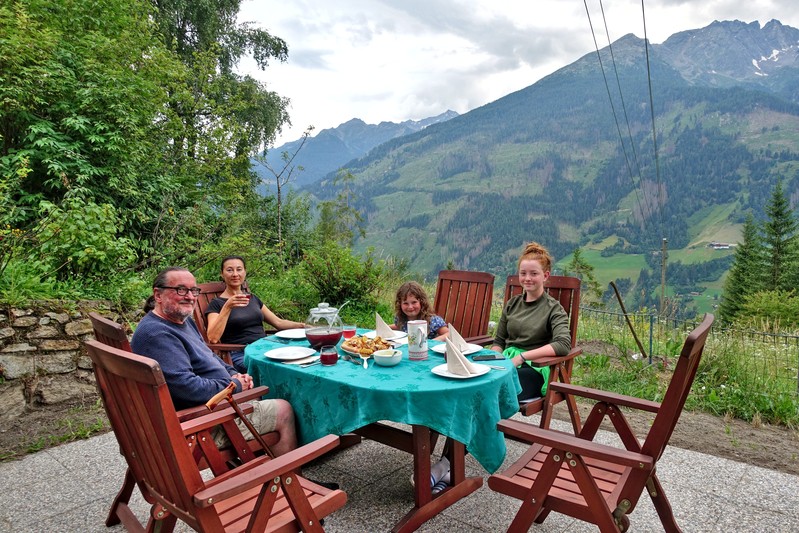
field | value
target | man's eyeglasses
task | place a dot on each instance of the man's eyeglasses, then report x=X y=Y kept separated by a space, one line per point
x=183 y=291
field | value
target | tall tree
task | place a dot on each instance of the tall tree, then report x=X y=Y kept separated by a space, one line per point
x=746 y=274
x=82 y=115
x=780 y=242
x=339 y=219
x=580 y=268
x=283 y=176
x=227 y=118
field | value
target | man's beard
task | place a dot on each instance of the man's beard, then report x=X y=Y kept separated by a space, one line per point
x=177 y=312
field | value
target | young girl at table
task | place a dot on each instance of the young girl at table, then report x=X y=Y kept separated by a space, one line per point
x=412 y=303
x=532 y=323
x=236 y=316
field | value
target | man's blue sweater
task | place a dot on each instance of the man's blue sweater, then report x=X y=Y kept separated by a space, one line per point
x=191 y=370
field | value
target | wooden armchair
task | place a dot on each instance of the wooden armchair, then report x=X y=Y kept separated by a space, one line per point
x=113 y=334
x=264 y=494
x=593 y=482
x=209 y=291
x=463 y=299
x=566 y=290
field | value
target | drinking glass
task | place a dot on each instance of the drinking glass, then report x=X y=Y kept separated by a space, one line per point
x=349 y=331
x=328 y=355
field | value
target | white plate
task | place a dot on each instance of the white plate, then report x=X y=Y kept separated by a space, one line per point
x=397 y=335
x=472 y=348
x=296 y=333
x=289 y=353
x=441 y=370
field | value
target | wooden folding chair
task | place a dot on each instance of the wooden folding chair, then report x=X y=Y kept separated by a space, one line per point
x=463 y=299
x=209 y=291
x=113 y=334
x=593 y=482
x=264 y=494
x=566 y=290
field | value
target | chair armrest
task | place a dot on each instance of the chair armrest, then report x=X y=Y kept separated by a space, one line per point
x=240 y=397
x=213 y=418
x=261 y=470
x=563 y=441
x=549 y=360
x=219 y=347
x=603 y=396
x=482 y=340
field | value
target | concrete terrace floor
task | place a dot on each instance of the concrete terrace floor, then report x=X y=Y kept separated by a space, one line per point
x=69 y=489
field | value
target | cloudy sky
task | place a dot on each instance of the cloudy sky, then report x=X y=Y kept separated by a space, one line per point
x=394 y=60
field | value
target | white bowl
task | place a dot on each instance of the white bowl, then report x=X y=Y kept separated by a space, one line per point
x=387 y=357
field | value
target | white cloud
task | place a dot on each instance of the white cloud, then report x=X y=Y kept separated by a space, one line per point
x=408 y=59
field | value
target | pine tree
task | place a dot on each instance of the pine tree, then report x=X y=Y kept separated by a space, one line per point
x=780 y=242
x=746 y=274
x=582 y=269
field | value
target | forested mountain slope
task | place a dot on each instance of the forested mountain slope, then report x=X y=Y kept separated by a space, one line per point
x=548 y=162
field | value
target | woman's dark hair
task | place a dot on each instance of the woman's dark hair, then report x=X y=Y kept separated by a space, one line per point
x=230 y=257
x=411 y=288
x=160 y=281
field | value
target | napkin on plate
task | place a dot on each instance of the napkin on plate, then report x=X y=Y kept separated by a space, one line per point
x=456 y=338
x=381 y=328
x=457 y=362
x=304 y=360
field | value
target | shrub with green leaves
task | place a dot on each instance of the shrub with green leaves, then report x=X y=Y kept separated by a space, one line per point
x=339 y=276
x=79 y=238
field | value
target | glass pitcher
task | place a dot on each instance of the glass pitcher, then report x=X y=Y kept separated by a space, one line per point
x=323 y=326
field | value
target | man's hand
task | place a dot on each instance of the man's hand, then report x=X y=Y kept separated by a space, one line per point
x=244 y=379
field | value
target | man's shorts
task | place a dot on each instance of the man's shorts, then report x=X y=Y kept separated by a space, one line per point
x=263 y=418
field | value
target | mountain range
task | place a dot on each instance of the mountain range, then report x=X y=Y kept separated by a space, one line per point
x=571 y=161
x=332 y=148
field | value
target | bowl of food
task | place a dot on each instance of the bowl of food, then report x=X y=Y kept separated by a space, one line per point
x=387 y=357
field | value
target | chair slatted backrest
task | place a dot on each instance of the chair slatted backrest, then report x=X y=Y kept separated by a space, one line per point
x=463 y=299
x=677 y=392
x=143 y=418
x=208 y=291
x=565 y=289
x=109 y=332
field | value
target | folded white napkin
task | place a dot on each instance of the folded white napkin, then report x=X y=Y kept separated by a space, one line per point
x=456 y=338
x=457 y=362
x=381 y=328
x=309 y=359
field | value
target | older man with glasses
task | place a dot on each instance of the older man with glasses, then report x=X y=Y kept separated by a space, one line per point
x=191 y=370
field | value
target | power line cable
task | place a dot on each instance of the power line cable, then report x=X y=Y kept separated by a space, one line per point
x=645 y=207
x=654 y=130
x=615 y=115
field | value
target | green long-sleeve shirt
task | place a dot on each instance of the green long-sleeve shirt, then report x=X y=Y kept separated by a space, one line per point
x=530 y=325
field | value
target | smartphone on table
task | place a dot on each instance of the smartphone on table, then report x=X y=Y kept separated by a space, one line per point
x=488 y=357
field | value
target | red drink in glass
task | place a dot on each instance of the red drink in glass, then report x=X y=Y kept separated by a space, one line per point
x=349 y=332
x=328 y=355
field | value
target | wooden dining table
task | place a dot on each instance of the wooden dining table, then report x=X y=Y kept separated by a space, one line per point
x=347 y=399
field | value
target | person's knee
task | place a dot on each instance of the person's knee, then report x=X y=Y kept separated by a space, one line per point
x=285 y=414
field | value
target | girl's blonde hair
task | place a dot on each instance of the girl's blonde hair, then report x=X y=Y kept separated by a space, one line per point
x=411 y=288
x=536 y=252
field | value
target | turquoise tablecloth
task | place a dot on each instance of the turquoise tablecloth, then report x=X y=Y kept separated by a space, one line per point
x=341 y=398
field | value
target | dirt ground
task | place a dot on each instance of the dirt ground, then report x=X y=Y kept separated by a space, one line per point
x=770 y=447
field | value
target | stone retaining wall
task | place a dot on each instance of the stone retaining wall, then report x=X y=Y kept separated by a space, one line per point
x=42 y=358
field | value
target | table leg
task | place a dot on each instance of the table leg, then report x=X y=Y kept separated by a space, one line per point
x=426 y=505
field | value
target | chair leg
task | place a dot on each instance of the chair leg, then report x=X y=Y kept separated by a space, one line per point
x=531 y=507
x=122 y=498
x=662 y=505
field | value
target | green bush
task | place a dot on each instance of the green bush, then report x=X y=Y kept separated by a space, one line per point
x=339 y=276
x=25 y=281
x=79 y=238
